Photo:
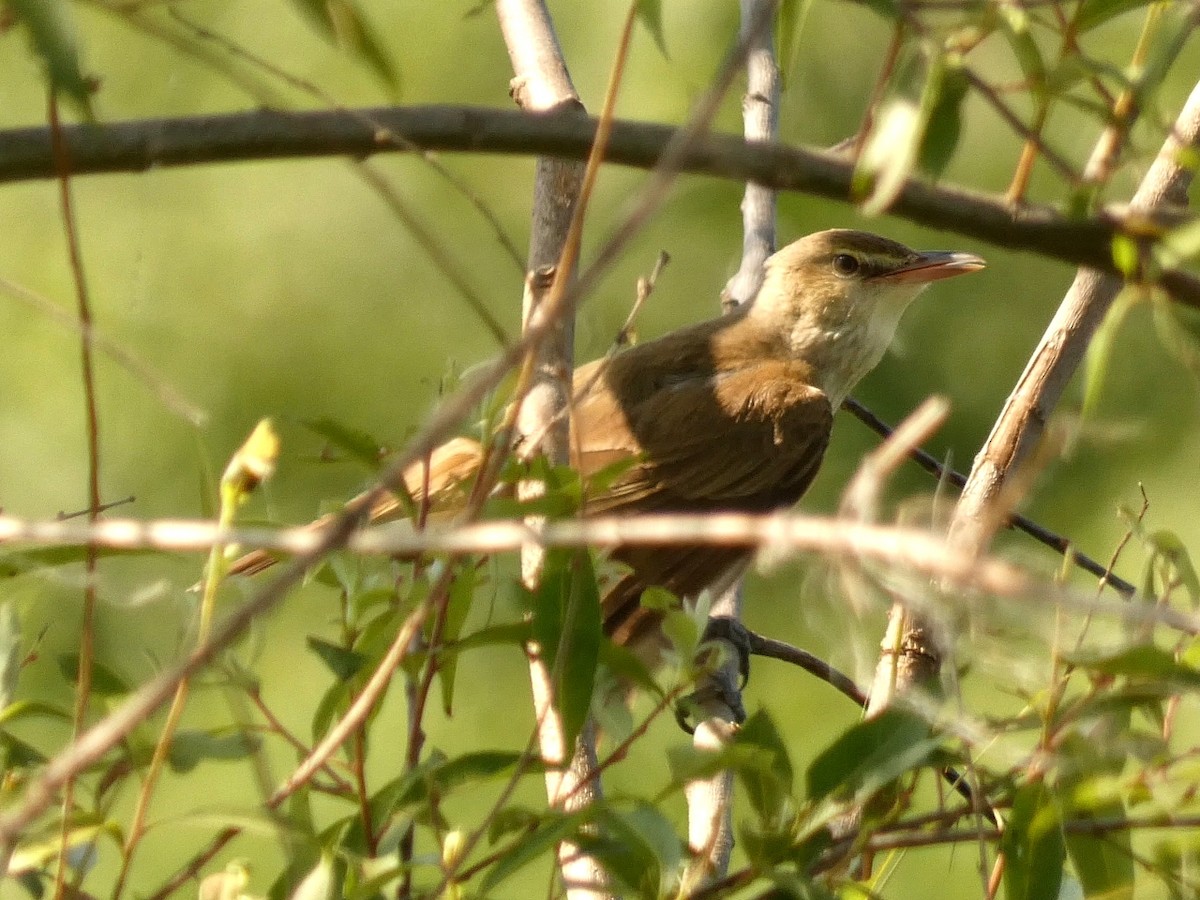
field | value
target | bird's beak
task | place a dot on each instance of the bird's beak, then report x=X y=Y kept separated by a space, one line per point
x=933 y=266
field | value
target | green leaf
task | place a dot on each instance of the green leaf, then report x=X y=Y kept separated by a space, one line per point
x=1100 y=350
x=768 y=790
x=354 y=443
x=343 y=24
x=1103 y=863
x=52 y=35
x=1144 y=662
x=567 y=625
x=343 y=663
x=11 y=655
x=1033 y=846
x=105 y=681
x=650 y=14
x=190 y=748
x=1015 y=27
x=789 y=24
x=22 y=562
x=944 y=127
x=1097 y=12
x=894 y=144
x=1168 y=545
x=870 y=754
x=462 y=594
x=552 y=830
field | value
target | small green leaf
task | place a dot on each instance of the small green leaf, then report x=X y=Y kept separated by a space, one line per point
x=462 y=594
x=52 y=35
x=870 y=754
x=789 y=24
x=190 y=748
x=567 y=625
x=355 y=443
x=1033 y=846
x=1100 y=350
x=944 y=128
x=343 y=24
x=1144 y=661
x=552 y=830
x=343 y=663
x=650 y=14
x=1096 y=12
x=105 y=681
x=769 y=790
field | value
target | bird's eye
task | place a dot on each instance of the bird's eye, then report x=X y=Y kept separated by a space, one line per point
x=845 y=264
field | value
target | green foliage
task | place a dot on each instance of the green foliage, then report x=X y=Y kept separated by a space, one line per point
x=51 y=30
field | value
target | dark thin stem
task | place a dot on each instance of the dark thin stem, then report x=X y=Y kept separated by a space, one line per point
x=1054 y=541
x=83 y=686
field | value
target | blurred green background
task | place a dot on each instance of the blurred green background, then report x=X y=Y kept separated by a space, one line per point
x=288 y=289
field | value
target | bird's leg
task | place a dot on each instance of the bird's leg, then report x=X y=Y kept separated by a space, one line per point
x=719 y=684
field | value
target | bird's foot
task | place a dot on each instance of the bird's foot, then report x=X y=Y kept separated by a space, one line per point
x=719 y=691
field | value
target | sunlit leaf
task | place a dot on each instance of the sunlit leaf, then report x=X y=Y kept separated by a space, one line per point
x=1033 y=846
x=11 y=654
x=318 y=884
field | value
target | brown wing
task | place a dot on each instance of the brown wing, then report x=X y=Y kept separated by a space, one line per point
x=746 y=441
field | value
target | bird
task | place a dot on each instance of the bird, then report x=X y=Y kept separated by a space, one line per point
x=732 y=414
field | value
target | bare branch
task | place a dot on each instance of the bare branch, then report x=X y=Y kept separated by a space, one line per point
x=263 y=134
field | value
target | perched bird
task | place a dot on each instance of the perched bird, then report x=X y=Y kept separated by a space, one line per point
x=728 y=415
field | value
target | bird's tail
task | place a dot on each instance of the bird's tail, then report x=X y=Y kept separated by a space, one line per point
x=441 y=478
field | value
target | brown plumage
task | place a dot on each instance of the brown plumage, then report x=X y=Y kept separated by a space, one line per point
x=732 y=414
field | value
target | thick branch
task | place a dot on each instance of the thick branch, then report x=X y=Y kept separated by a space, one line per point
x=142 y=145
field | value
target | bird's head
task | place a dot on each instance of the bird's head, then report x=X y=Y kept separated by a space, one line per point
x=837 y=296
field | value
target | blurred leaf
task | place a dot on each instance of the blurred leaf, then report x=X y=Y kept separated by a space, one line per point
x=52 y=34
x=355 y=443
x=11 y=656
x=23 y=562
x=567 y=626
x=25 y=709
x=944 y=127
x=552 y=830
x=1144 y=661
x=789 y=24
x=318 y=884
x=1032 y=844
x=627 y=856
x=343 y=663
x=190 y=748
x=105 y=681
x=1015 y=27
x=1168 y=27
x=462 y=593
x=870 y=754
x=769 y=790
x=17 y=754
x=343 y=24
x=1178 y=328
x=1103 y=863
x=630 y=668
x=894 y=144
x=1100 y=350
x=650 y=13
x=1170 y=547
x=1096 y=12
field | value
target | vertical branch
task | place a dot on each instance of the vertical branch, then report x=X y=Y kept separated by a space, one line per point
x=83 y=683
x=1021 y=423
x=710 y=806
x=541 y=83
